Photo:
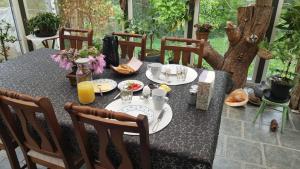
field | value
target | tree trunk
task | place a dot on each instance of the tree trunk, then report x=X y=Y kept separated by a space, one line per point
x=253 y=22
x=295 y=95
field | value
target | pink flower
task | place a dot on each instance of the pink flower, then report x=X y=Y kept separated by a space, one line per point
x=69 y=66
x=97 y=64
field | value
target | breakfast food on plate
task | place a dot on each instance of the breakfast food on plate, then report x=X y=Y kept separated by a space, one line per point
x=103 y=87
x=124 y=69
x=133 y=86
x=238 y=97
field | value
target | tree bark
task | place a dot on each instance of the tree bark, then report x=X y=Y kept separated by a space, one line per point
x=295 y=95
x=253 y=22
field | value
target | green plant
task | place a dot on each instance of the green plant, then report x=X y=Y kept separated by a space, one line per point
x=286 y=48
x=5 y=38
x=44 y=22
x=171 y=13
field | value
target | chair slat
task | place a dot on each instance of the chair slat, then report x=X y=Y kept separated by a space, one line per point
x=127 y=46
x=103 y=139
x=32 y=135
x=187 y=50
x=76 y=37
x=109 y=127
x=117 y=139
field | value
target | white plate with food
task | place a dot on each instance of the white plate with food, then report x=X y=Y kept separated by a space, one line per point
x=134 y=85
x=104 y=85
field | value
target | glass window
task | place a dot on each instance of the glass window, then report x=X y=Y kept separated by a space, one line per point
x=33 y=7
x=217 y=13
x=6 y=14
x=276 y=63
x=103 y=16
x=160 y=18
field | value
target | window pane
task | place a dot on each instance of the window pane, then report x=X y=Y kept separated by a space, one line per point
x=33 y=7
x=160 y=18
x=103 y=16
x=7 y=15
x=275 y=63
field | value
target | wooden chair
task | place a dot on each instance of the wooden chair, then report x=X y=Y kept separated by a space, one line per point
x=9 y=145
x=110 y=126
x=183 y=52
x=75 y=37
x=127 y=46
x=39 y=145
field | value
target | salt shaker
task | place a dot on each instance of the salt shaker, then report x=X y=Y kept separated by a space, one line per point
x=193 y=95
x=146 y=92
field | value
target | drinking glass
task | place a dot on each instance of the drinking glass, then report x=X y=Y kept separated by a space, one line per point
x=126 y=95
x=181 y=72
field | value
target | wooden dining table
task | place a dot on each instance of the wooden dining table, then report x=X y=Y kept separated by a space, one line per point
x=189 y=141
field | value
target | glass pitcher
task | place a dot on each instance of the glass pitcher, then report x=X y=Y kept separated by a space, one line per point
x=85 y=88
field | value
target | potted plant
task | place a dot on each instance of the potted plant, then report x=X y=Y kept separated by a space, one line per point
x=203 y=31
x=44 y=24
x=282 y=81
x=287 y=50
x=66 y=60
x=5 y=38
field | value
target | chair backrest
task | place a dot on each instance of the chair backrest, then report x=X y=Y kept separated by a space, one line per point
x=110 y=126
x=183 y=52
x=75 y=37
x=32 y=133
x=127 y=46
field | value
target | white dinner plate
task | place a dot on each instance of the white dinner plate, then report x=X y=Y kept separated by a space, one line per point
x=145 y=107
x=125 y=83
x=173 y=81
x=108 y=85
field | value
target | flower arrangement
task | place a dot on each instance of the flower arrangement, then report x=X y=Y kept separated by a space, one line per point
x=66 y=59
x=203 y=27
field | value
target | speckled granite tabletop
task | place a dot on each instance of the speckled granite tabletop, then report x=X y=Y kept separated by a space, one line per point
x=189 y=141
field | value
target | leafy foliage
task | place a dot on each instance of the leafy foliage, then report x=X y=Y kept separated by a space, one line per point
x=94 y=14
x=286 y=48
x=170 y=13
x=44 y=21
x=5 y=38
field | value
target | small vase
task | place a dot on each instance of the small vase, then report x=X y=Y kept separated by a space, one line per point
x=72 y=76
x=202 y=35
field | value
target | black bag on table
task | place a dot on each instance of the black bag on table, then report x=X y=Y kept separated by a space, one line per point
x=110 y=50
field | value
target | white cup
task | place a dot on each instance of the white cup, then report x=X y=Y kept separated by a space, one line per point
x=159 y=98
x=155 y=69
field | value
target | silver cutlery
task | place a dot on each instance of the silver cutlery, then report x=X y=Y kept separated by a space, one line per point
x=117 y=96
x=160 y=116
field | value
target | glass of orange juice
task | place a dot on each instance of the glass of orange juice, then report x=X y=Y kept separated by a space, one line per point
x=85 y=87
x=86 y=94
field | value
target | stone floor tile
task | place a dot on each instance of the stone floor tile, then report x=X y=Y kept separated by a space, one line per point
x=280 y=158
x=290 y=138
x=250 y=166
x=223 y=163
x=243 y=150
x=2 y=156
x=231 y=127
x=4 y=164
x=220 y=151
x=260 y=133
x=246 y=114
x=296 y=120
x=269 y=115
